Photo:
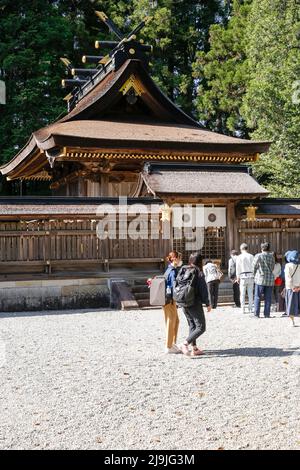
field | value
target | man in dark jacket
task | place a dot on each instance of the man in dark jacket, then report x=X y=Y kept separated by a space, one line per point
x=195 y=313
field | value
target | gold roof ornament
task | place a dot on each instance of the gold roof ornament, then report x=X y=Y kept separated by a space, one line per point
x=251 y=213
x=134 y=83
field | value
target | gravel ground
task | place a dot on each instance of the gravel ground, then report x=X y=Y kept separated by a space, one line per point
x=101 y=380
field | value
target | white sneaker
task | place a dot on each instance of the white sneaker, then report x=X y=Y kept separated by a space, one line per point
x=174 y=349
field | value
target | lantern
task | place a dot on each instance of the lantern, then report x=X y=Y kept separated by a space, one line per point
x=251 y=213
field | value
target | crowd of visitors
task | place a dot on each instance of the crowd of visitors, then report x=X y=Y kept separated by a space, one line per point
x=258 y=278
x=264 y=277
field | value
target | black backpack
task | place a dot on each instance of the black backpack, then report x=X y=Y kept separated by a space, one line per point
x=184 y=288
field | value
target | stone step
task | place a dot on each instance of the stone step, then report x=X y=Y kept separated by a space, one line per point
x=141 y=295
x=143 y=303
x=140 y=282
x=137 y=289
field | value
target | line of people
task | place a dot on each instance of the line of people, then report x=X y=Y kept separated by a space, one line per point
x=257 y=276
x=262 y=277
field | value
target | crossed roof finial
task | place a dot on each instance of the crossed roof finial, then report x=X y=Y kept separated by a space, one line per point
x=126 y=47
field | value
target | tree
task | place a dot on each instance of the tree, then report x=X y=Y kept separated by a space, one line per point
x=222 y=73
x=270 y=105
x=33 y=36
x=178 y=29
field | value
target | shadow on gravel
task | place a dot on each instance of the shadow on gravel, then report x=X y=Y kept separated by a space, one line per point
x=253 y=352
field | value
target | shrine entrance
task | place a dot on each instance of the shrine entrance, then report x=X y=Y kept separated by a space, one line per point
x=213 y=248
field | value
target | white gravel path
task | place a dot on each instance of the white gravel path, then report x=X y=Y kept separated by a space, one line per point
x=101 y=380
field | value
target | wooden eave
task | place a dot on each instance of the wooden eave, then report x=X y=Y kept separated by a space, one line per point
x=142 y=155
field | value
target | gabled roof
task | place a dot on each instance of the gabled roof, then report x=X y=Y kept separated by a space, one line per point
x=203 y=180
x=104 y=94
x=160 y=126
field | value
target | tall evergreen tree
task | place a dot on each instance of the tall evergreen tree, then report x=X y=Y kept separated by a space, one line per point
x=179 y=28
x=223 y=73
x=271 y=104
x=32 y=36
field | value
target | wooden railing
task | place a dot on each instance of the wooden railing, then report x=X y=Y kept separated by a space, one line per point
x=72 y=244
x=283 y=234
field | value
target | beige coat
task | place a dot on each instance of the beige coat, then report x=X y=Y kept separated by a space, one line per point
x=292 y=280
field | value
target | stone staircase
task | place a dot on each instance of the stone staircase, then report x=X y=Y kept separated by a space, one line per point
x=140 y=292
x=226 y=292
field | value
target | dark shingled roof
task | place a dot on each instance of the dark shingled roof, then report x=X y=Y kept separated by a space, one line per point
x=68 y=207
x=202 y=180
x=130 y=134
x=273 y=206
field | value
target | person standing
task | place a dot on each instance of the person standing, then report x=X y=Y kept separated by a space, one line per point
x=212 y=278
x=245 y=277
x=277 y=281
x=232 y=276
x=195 y=313
x=292 y=285
x=263 y=266
x=170 y=308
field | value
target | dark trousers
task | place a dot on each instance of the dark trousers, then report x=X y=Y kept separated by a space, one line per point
x=213 y=292
x=266 y=292
x=196 y=321
x=236 y=294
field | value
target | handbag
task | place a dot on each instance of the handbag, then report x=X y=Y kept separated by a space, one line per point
x=278 y=281
x=220 y=274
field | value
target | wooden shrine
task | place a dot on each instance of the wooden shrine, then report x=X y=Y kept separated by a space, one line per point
x=122 y=136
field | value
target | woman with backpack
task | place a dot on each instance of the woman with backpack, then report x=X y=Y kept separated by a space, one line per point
x=292 y=285
x=191 y=289
x=170 y=308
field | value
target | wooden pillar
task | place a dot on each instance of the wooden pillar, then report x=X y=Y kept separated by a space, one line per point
x=104 y=185
x=93 y=188
x=231 y=229
x=81 y=187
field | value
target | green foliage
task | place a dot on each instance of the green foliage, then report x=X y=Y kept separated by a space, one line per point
x=246 y=83
x=31 y=37
x=223 y=73
x=273 y=52
x=181 y=29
